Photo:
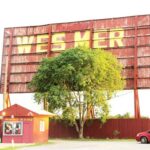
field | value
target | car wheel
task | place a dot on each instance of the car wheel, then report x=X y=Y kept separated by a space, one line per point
x=144 y=140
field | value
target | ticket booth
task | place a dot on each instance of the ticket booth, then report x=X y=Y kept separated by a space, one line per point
x=21 y=125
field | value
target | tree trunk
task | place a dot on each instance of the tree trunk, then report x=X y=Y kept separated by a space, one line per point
x=80 y=133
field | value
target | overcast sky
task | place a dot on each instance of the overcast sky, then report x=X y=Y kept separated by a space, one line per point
x=37 y=12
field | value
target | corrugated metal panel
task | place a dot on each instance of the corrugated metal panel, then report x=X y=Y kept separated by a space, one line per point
x=20 y=78
x=129 y=84
x=143 y=83
x=127 y=62
x=128 y=73
x=144 y=61
x=17 y=87
x=27 y=46
x=22 y=68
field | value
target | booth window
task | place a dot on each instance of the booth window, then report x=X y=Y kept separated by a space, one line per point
x=42 y=126
x=12 y=128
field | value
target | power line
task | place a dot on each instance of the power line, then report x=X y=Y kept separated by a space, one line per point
x=121 y=95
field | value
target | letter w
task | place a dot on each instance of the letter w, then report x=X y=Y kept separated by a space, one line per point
x=24 y=44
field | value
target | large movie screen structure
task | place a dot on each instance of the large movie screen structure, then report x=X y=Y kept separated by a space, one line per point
x=127 y=37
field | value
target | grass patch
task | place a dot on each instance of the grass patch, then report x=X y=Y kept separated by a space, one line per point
x=17 y=147
x=8 y=148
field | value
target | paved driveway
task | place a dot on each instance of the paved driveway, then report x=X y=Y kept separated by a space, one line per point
x=91 y=145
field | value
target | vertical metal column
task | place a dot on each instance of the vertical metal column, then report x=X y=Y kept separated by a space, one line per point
x=6 y=98
x=45 y=104
x=49 y=40
x=136 y=96
x=91 y=35
x=90 y=108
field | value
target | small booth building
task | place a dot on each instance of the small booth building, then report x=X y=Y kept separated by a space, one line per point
x=21 y=125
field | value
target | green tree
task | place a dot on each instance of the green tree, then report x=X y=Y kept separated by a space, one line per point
x=77 y=79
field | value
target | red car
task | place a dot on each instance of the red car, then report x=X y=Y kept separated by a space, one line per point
x=143 y=137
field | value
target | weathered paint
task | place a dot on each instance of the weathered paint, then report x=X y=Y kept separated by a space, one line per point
x=30 y=45
x=38 y=43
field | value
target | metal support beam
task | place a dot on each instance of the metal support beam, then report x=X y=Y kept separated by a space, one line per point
x=45 y=102
x=49 y=40
x=90 y=109
x=136 y=96
x=91 y=35
x=6 y=97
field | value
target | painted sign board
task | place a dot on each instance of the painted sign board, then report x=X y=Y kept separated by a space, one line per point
x=128 y=38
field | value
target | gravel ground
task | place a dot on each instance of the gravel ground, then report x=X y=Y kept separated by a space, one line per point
x=91 y=145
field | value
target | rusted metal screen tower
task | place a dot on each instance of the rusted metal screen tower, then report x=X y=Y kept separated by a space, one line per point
x=128 y=38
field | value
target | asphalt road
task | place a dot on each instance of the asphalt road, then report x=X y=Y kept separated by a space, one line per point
x=91 y=145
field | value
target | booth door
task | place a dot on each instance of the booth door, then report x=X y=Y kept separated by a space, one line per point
x=28 y=132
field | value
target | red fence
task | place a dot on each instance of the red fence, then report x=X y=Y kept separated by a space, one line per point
x=126 y=128
x=113 y=128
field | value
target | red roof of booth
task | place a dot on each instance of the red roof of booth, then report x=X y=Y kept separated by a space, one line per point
x=19 y=111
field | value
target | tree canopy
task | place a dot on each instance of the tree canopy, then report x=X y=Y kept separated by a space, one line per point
x=78 y=79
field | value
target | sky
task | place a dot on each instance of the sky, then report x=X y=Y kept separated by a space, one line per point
x=15 y=13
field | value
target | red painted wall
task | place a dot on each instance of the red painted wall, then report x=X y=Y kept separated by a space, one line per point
x=31 y=132
x=128 y=128
x=27 y=136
